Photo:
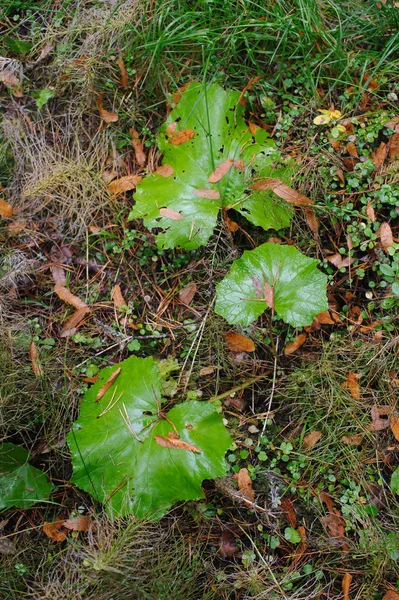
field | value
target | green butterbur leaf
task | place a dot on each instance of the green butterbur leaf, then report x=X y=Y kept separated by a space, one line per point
x=183 y=199
x=21 y=484
x=118 y=443
x=297 y=287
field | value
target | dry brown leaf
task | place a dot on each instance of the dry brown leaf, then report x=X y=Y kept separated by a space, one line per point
x=181 y=137
x=77 y=524
x=6 y=210
x=221 y=170
x=105 y=387
x=124 y=184
x=73 y=321
x=64 y=294
x=138 y=148
x=34 y=357
x=11 y=82
x=378 y=424
x=328 y=317
x=171 y=214
x=352 y=440
x=15 y=227
x=311 y=439
x=52 y=530
x=124 y=76
x=380 y=155
x=94 y=229
x=282 y=191
x=239 y=165
x=105 y=115
x=117 y=297
x=352 y=385
x=231 y=225
x=394 y=146
x=289 y=511
x=245 y=485
x=351 y=149
x=335 y=524
x=178 y=94
x=297 y=343
x=238 y=343
x=227 y=547
x=394 y=423
x=188 y=292
x=370 y=211
x=207 y=193
x=386 y=237
x=206 y=371
x=338 y=261
x=346 y=583
x=350 y=162
x=268 y=294
x=391 y=595
x=171 y=129
x=165 y=171
x=171 y=442
x=340 y=174
x=252 y=127
x=58 y=274
x=312 y=221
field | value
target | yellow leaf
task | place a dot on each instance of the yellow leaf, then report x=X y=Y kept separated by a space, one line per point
x=341 y=128
x=322 y=120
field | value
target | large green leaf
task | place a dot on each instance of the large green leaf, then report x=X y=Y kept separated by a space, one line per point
x=116 y=457
x=299 y=287
x=21 y=484
x=220 y=133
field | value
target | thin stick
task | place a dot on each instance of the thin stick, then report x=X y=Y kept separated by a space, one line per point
x=271 y=393
x=240 y=387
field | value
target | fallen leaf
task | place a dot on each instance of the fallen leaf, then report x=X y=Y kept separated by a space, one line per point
x=58 y=274
x=34 y=357
x=282 y=191
x=11 y=82
x=311 y=439
x=187 y=293
x=165 y=170
x=350 y=162
x=105 y=115
x=346 y=583
x=231 y=225
x=245 y=485
x=386 y=237
x=289 y=511
x=268 y=292
x=15 y=227
x=394 y=146
x=394 y=423
x=170 y=442
x=338 y=261
x=124 y=76
x=104 y=388
x=138 y=148
x=64 y=294
x=253 y=128
x=393 y=124
x=207 y=193
x=297 y=343
x=351 y=149
x=221 y=170
x=181 y=137
x=352 y=440
x=171 y=214
x=378 y=424
x=117 y=297
x=227 y=547
x=353 y=385
x=178 y=94
x=328 y=317
x=327 y=116
x=391 y=595
x=52 y=530
x=312 y=221
x=340 y=174
x=124 y=184
x=73 y=321
x=171 y=129
x=206 y=371
x=239 y=165
x=380 y=155
x=335 y=524
x=238 y=343
x=370 y=211
x=77 y=524
x=6 y=210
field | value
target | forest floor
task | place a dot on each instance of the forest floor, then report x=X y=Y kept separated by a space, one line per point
x=312 y=411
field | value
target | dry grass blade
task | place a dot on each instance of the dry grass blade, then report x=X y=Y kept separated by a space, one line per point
x=64 y=294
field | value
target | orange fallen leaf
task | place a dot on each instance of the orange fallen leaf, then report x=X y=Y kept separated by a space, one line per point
x=340 y=174
x=239 y=165
x=105 y=115
x=188 y=292
x=124 y=76
x=77 y=524
x=346 y=583
x=178 y=94
x=231 y=225
x=380 y=155
x=138 y=148
x=282 y=191
x=64 y=294
x=312 y=221
x=394 y=423
x=165 y=170
x=34 y=357
x=352 y=385
x=171 y=214
x=289 y=511
x=328 y=317
x=338 y=261
x=352 y=440
x=391 y=595
x=6 y=210
x=52 y=530
x=171 y=129
x=238 y=343
x=245 y=485
x=124 y=184
x=117 y=297
x=207 y=193
x=311 y=439
x=268 y=292
x=181 y=137
x=58 y=274
x=206 y=371
x=104 y=388
x=297 y=343
x=370 y=211
x=386 y=237
x=351 y=149
x=394 y=146
x=171 y=442
x=221 y=170
x=252 y=127
x=73 y=322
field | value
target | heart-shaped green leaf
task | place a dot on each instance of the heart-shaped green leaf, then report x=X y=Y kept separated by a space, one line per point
x=183 y=199
x=276 y=277
x=21 y=484
x=135 y=459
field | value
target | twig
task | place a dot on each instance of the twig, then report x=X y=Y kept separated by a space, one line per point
x=271 y=393
x=242 y=386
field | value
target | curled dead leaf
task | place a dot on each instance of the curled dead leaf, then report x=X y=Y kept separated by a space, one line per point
x=52 y=530
x=282 y=191
x=138 y=148
x=117 y=297
x=105 y=115
x=165 y=170
x=352 y=385
x=238 y=343
x=297 y=343
x=169 y=213
x=181 y=137
x=328 y=317
x=6 y=210
x=312 y=221
x=171 y=129
x=124 y=184
x=188 y=292
x=351 y=149
x=391 y=595
x=34 y=357
x=221 y=170
x=124 y=81
x=338 y=261
x=11 y=82
x=245 y=485
x=58 y=274
x=311 y=439
x=75 y=320
x=231 y=225
x=206 y=371
x=394 y=146
x=346 y=584
x=104 y=388
x=171 y=442
x=207 y=193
